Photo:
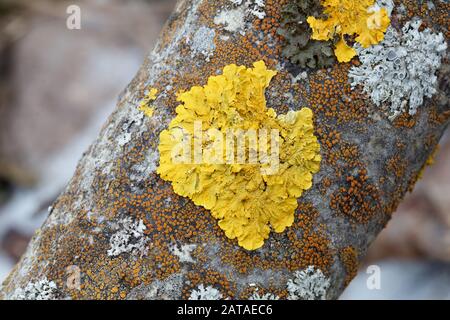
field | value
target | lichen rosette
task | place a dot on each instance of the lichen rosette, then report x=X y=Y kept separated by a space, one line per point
x=247 y=200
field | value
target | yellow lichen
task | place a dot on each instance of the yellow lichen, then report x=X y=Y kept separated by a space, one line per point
x=245 y=198
x=348 y=18
x=343 y=52
x=429 y=162
x=144 y=106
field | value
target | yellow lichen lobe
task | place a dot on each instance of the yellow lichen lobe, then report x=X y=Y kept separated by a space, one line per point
x=348 y=18
x=429 y=162
x=144 y=106
x=246 y=199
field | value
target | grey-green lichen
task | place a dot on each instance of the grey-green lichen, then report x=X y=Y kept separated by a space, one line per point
x=308 y=284
x=39 y=290
x=129 y=237
x=208 y=293
x=266 y=296
x=298 y=46
x=401 y=71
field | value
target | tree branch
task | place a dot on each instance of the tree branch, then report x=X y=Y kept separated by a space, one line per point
x=127 y=234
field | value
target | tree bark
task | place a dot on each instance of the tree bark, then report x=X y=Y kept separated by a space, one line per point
x=94 y=228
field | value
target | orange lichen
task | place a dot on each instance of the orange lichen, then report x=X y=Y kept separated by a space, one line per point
x=437 y=17
x=358 y=199
x=349 y=258
x=405 y=120
x=307 y=244
x=330 y=94
x=395 y=166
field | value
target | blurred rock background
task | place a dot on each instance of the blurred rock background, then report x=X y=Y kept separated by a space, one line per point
x=57 y=87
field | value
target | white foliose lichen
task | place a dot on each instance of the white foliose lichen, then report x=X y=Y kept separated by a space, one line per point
x=130 y=237
x=401 y=70
x=308 y=284
x=256 y=8
x=267 y=296
x=134 y=117
x=208 y=293
x=184 y=253
x=40 y=290
x=203 y=42
x=234 y=19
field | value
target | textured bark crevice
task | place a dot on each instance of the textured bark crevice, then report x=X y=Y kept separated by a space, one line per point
x=368 y=165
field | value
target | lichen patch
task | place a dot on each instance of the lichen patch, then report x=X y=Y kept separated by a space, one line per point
x=401 y=71
x=308 y=284
x=350 y=18
x=248 y=199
